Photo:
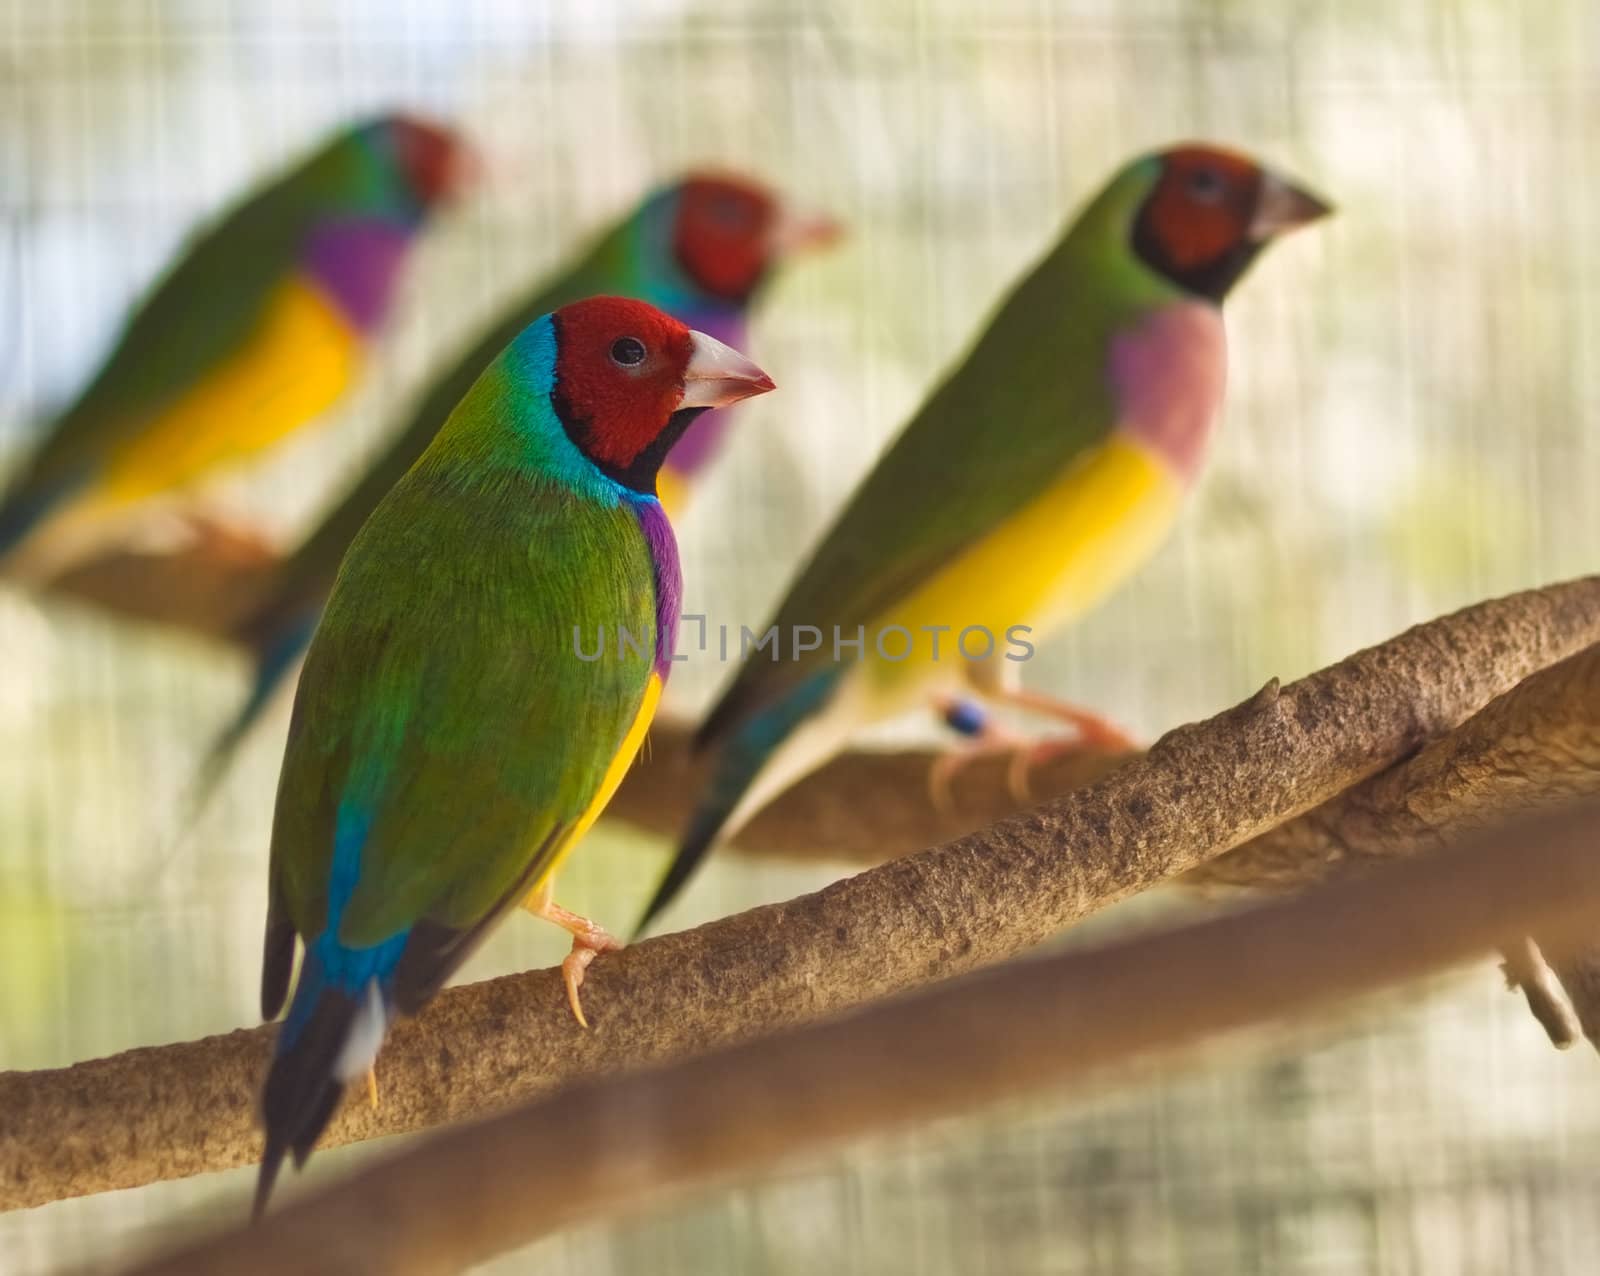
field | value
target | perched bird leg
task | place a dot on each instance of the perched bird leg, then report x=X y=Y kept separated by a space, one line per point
x=227 y=540
x=372 y=1088
x=589 y=940
x=970 y=718
x=1091 y=733
x=985 y=736
x=1092 y=730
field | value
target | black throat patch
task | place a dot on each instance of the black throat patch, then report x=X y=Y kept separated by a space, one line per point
x=1212 y=280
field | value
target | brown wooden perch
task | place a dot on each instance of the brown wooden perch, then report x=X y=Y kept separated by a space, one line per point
x=169 y=1111
x=868 y=807
x=1537 y=744
x=449 y=1201
x=206 y=586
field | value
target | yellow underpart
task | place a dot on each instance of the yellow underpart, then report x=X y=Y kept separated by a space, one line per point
x=1049 y=562
x=608 y=785
x=300 y=360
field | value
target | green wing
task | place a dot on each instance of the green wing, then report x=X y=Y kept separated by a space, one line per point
x=1029 y=398
x=443 y=704
x=202 y=313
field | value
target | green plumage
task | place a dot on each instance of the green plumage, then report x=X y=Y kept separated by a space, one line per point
x=1043 y=470
x=209 y=305
x=442 y=694
x=1029 y=398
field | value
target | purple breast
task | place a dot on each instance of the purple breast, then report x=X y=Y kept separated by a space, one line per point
x=669 y=579
x=1167 y=374
x=356 y=264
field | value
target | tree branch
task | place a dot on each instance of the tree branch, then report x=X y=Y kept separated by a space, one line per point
x=169 y=1111
x=1536 y=745
x=862 y=808
x=448 y=1203
x=870 y=806
x=1525 y=968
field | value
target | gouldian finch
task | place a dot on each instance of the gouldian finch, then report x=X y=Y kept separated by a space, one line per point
x=256 y=330
x=1045 y=468
x=699 y=249
x=456 y=727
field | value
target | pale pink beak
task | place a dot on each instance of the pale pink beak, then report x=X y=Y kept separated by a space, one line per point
x=796 y=232
x=462 y=173
x=467 y=168
x=718 y=375
x=1281 y=207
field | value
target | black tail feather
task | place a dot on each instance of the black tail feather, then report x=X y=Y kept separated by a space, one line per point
x=271 y=1163
x=736 y=770
x=277 y=957
x=697 y=841
x=302 y=1090
x=738 y=765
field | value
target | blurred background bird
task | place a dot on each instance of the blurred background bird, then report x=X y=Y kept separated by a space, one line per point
x=258 y=328
x=449 y=746
x=1408 y=430
x=1045 y=468
x=701 y=249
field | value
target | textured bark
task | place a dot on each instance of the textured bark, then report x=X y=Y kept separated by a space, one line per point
x=1537 y=744
x=861 y=808
x=1201 y=790
x=448 y=1203
x=868 y=807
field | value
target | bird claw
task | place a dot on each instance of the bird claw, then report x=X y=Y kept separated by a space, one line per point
x=584 y=950
x=1091 y=732
x=987 y=738
x=1024 y=760
x=236 y=539
x=589 y=940
x=1100 y=735
x=939 y=774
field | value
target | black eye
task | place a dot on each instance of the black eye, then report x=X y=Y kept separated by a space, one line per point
x=627 y=352
x=1205 y=184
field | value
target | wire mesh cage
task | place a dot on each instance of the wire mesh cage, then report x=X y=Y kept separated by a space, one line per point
x=1407 y=430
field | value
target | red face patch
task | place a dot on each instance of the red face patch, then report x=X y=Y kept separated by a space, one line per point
x=1202 y=206
x=723 y=234
x=619 y=375
x=431 y=157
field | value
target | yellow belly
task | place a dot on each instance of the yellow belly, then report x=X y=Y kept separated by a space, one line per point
x=609 y=784
x=299 y=362
x=1049 y=562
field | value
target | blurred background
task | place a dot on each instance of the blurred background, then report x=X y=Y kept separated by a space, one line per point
x=1408 y=430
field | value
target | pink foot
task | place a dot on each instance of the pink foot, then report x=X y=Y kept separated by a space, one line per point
x=1092 y=731
x=589 y=940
